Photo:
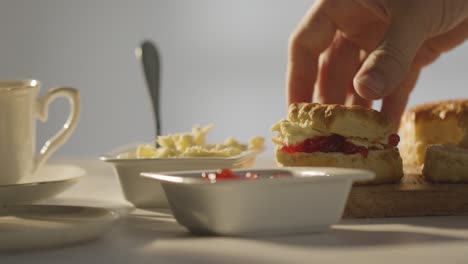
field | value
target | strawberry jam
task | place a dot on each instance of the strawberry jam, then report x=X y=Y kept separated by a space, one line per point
x=227 y=174
x=333 y=143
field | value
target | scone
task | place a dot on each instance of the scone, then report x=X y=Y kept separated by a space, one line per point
x=442 y=122
x=446 y=163
x=339 y=136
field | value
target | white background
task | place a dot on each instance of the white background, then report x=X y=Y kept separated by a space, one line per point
x=223 y=63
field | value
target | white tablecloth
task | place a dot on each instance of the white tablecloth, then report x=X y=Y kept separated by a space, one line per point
x=142 y=236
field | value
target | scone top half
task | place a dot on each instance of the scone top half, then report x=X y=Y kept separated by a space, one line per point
x=312 y=127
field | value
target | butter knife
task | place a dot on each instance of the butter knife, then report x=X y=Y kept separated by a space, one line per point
x=148 y=55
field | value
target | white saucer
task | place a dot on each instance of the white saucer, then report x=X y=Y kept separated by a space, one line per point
x=39 y=226
x=48 y=181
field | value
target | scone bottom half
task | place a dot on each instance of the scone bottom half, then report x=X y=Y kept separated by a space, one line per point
x=312 y=136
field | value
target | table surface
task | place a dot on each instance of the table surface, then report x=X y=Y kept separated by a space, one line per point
x=142 y=236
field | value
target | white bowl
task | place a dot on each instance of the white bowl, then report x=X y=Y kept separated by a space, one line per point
x=146 y=193
x=307 y=200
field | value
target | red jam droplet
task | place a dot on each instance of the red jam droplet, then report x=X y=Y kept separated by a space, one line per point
x=226 y=174
x=393 y=140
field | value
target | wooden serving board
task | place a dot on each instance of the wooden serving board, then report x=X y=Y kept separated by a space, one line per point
x=413 y=196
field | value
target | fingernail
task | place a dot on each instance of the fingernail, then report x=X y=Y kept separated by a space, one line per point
x=372 y=82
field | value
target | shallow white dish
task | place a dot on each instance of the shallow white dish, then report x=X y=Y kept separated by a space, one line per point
x=143 y=192
x=47 y=182
x=307 y=200
x=38 y=226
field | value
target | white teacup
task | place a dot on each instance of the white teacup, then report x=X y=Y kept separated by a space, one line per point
x=19 y=108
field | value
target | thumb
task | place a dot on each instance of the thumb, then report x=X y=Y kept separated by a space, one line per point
x=386 y=67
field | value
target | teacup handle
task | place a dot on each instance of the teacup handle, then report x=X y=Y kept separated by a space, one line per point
x=42 y=110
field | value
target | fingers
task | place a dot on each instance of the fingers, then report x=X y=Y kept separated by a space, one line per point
x=386 y=66
x=337 y=67
x=356 y=99
x=394 y=104
x=450 y=39
x=435 y=46
x=353 y=98
x=312 y=37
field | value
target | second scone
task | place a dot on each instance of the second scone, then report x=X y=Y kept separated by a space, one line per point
x=339 y=136
x=443 y=122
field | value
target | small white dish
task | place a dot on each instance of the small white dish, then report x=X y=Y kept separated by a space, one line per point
x=305 y=200
x=39 y=226
x=146 y=193
x=47 y=182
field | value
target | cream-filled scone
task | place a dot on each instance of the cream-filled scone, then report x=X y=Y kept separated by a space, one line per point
x=339 y=136
x=443 y=122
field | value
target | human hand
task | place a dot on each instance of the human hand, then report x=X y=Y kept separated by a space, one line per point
x=356 y=51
